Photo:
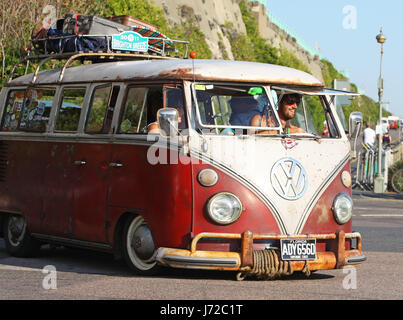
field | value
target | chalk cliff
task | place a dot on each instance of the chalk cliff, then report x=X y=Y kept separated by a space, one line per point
x=214 y=17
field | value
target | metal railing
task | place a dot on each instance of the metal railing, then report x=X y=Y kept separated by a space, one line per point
x=367 y=168
x=367 y=164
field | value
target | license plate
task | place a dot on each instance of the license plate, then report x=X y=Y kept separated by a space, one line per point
x=298 y=249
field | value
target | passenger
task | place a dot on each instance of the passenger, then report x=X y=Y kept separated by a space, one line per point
x=243 y=109
x=286 y=111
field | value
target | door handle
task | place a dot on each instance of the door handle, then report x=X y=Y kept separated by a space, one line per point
x=115 y=165
x=80 y=163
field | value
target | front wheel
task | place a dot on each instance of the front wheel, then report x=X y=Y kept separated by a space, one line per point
x=138 y=247
x=19 y=242
x=397 y=181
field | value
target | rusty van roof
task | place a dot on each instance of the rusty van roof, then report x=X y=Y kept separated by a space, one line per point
x=199 y=70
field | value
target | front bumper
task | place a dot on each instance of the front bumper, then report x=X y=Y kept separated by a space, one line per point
x=335 y=257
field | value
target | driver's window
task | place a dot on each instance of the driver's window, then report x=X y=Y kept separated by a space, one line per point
x=304 y=114
x=142 y=104
x=320 y=119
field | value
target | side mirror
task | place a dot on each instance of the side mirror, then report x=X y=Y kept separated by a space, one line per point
x=355 y=127
x=355 y=124
x=168 y=121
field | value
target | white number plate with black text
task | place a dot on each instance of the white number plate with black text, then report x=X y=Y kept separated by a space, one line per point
x=298 y=249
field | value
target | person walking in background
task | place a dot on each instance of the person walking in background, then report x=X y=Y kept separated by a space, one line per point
x=369 y=135
x=386 y=140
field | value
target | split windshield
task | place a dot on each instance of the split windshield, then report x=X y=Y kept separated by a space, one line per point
x=242 y=109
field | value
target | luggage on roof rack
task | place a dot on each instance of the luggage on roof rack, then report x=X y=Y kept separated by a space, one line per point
x=91 y=25
x=131 y=21
x=88 y=33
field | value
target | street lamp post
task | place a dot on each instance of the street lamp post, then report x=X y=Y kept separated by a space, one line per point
x=379 y=182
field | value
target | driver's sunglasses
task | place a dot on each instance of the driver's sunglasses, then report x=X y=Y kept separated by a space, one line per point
x=292 y=100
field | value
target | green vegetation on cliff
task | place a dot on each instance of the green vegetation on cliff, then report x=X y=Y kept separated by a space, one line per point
x=252 y=47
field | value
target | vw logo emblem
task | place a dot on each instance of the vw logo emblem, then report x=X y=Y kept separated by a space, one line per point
x=289 y=179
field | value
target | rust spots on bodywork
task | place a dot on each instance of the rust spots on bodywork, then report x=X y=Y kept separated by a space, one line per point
x=324 y=212
x=179 y=73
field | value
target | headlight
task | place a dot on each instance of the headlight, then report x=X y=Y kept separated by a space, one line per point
x=342 y=208
x=224 y=208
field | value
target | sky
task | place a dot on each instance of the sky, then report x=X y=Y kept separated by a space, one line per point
x=345 y=32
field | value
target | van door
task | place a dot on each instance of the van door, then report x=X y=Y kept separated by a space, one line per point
x=91 y=161
x=160 y=191
x=59 y=172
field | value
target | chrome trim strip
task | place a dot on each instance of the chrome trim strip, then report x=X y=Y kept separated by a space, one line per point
x=356 y=260
x=143 y=140
x=199 y=261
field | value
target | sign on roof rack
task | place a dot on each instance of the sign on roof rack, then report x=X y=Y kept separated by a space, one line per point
x=129 y=41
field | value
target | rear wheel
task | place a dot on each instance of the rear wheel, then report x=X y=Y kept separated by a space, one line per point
x=138 y=247
x=19 y=242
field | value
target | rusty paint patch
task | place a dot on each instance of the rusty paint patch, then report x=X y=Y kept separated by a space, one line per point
x=324 y=215
x=176 y=73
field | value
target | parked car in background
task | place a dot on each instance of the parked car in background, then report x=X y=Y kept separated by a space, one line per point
x=393 y=125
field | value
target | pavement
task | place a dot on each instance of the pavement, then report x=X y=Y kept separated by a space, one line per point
x=370 y=194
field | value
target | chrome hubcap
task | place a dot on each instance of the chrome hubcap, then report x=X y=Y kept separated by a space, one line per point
x=142 y=243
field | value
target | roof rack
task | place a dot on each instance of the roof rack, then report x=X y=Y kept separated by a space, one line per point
x=73 y=43
x=162 y=51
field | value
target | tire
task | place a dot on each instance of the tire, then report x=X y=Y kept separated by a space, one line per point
x=138 y=247
x=19 y=242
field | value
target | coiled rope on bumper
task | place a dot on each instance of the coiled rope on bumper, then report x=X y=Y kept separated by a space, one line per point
x=267 y=266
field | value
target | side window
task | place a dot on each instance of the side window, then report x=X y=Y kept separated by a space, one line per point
x=69 y=111
x=140 y=109
x=102 y=104
x=174 y=99
x=36 y=110
x=12 y=113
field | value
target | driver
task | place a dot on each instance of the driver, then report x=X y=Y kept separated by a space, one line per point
x=288 y=106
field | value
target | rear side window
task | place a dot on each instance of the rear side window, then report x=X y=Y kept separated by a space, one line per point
x=28 y=110
x=36 y=109
x=12 y=114
x=69 y=111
